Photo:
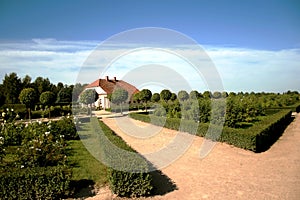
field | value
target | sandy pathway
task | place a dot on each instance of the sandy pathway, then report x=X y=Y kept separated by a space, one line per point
x=227 y=172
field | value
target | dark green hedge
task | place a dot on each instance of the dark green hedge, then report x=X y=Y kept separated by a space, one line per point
x=128 y=175
x=269 y=130
x=257 y=138
x=34 y=183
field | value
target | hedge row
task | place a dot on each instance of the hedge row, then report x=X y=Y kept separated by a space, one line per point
x=22 y=112
x=257 y=138
x=270 y=129
x=128 y=171
x=34 y=183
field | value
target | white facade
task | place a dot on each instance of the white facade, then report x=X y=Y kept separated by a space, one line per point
x=102 y=101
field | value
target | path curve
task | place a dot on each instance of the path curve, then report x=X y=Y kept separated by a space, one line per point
x=227 y=172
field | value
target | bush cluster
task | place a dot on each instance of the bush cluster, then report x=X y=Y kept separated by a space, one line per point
x=38 y=169
x=11 y=112
x=34 y=183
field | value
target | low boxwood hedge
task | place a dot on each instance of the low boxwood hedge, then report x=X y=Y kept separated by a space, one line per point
x=257 y=138
x=128 y=175
x=34 y=183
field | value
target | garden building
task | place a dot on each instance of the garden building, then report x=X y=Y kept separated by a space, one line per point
x=105 y=87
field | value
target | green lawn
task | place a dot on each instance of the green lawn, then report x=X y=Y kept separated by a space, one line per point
x=85 y=166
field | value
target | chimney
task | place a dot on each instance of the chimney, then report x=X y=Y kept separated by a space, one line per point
x=106 y=78
x=115 y=79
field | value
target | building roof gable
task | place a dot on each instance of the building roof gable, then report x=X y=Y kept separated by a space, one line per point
x=109 y=85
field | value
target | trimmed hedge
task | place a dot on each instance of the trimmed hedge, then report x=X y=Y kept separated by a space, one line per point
x=270 y=129
x=257 y=138
x=128 y=175
x=34 y=183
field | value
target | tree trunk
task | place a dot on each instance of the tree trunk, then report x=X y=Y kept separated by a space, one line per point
x=146 y=106
x=29 y=114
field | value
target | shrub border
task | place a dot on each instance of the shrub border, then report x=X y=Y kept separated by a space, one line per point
x=257 y=138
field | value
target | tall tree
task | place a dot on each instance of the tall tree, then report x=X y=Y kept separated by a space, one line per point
x=26 y=82
x=77 y=89
x=42 y=85
x=28 y=97
x=65 y=95
x=2 y=97
x=11 y=88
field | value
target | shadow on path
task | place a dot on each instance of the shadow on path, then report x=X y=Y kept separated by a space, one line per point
x=162 y=183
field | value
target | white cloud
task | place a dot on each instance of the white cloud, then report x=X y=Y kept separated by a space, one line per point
x=240 y=69
x=257 y=70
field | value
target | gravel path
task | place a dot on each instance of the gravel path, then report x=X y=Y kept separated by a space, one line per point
x=227 y=172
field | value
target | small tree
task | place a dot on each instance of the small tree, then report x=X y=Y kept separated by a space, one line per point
x=47 y=99
x=119 y=96
x=88 y=97
x=165 y=95
x=155 y=97
x=136 y=99
x=217 y=95
x=173 y=97
x=145 y=96
x=194 y=95
x=183 y=95
x=28 y=98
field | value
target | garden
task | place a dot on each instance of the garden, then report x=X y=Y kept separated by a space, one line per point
x=253 y=121
x=48 y=159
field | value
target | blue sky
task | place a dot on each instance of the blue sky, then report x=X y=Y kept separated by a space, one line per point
x=254 y=44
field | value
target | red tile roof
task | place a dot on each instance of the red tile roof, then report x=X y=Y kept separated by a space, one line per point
x=109 y=85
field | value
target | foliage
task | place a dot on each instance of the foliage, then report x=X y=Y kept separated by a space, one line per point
x=12 y=133
x=11 y=88
x=183 y=95
x=64 y=95
x=38 y=169
x=2 y=99
x=47 y=98
x=41 y=150
x=2 y=149
x=194 y=95
x=145 y=96
x=257 y=138
x=173 y=97
x=34 y=183
x=77 y=90
x=217 y=95
x=88 y=96
x=122 y=182
x=66 y=127
x=42 y=85
x=119 y=96
x=165 y=95
x=28 y=97
x=155 y=97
